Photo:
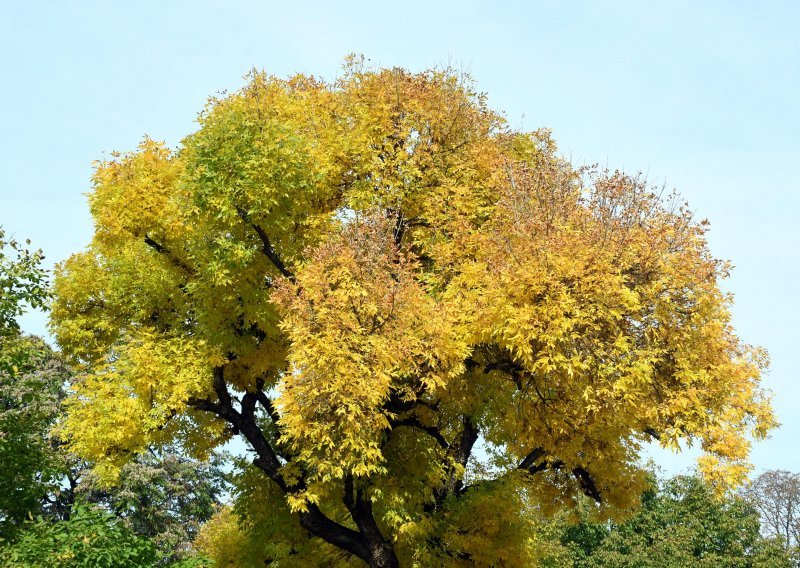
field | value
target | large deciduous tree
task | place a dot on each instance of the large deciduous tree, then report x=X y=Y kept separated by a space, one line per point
x=367 y=280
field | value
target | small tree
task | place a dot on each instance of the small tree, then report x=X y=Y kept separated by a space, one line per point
x=363 y=279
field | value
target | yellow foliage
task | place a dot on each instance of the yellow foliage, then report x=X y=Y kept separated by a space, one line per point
x=391 y=273
x=222 y=538
x=360 y=327
x=126 y=401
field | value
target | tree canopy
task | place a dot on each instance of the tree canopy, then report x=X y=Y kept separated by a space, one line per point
x=680 y=523
x=163 y=497
x=366 y=280
x=31 y=377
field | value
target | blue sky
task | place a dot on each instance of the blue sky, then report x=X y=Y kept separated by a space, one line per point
x=703 y=97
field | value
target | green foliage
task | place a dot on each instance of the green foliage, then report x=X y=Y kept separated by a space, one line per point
x=680 y=523
x=29 y=406
x=90 y=538
x=31 y=376
x=164 y=497
x=22 y=282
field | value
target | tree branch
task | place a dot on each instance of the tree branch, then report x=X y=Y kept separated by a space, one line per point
x=582 y=476
x=360 y=507
x=268 y=406
x=652 y=433
x=244 y=422
x=413 y=422
x=365 y=544
x=161 y=249
x=318 y=524
x=266 y=245
x=459 y=453
x=529 y=461
x=587 y=484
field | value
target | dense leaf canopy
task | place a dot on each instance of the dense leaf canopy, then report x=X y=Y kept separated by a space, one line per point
x=680 y=523
x=365 y=279
x=163 y=497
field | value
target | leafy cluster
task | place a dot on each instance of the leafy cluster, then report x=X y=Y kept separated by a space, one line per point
x=90 y=537
x=31 y=376
x=162 y=497
x=23 y=283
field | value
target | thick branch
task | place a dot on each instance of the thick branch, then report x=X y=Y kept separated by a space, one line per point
x=161 y=249
x=530 y=460
x=266 y=403
x=510 y=368
x=653 y=433
x=318 y=524
x=413 y=422
x=266 y=245
x=368 y=543
x=587 y=484
x=469 y=435
x=360 y=507
x=459 y=453
x=243 y=422
x=582 y=476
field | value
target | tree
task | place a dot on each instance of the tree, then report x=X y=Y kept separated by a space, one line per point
x=23 y=283
x=681 y=523
x=366 y=278
x=162 y=496
x=31 y=376
x=33 y=467
x=776 y=496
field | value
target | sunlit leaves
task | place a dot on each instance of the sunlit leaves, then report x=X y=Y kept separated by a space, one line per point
x=361 y=328
x=400 y=273
x=127 y=401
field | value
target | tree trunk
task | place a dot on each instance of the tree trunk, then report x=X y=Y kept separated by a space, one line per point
x=382 y=556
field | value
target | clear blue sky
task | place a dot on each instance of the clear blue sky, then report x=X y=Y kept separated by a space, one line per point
x=702 y=96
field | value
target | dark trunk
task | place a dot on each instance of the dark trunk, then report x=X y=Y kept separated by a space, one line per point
x=367 y=543
x=382 y=556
